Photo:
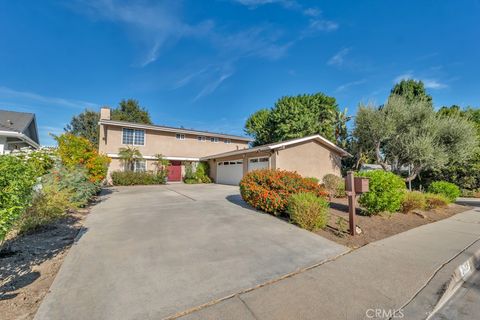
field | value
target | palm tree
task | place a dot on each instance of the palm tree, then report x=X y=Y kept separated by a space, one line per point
x=128 y=156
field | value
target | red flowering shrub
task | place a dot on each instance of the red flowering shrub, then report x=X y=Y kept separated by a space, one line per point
x=269 y=190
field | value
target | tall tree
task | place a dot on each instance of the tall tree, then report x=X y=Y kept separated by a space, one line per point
x=131 y=111
x=85 y=125
x=295 y=117
x=413 y=91
x=405 y=133
x=257 y=127
x=463 y=172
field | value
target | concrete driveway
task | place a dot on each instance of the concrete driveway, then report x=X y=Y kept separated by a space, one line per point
x=154 y=252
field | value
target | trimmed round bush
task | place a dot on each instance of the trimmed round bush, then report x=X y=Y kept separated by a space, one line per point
x=308 y=210
x=447 y=189
x=335 y=185
x=413 y=200
x=269 y=190
x=386 y=192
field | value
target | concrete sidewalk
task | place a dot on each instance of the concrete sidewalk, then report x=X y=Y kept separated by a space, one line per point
x=383 y=275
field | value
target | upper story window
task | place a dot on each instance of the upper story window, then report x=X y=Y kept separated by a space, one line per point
x=213 y=139
x=133 y=136
x=202 y=138
x=227 y=141
x=180 y=136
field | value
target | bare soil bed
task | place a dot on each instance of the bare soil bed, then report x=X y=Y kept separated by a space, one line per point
x=29 y=264
x=379 y=227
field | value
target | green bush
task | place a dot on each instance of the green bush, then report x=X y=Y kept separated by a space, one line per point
x=199 y=175
x=77 y=180
x=130 y=178
x=386 y=192
x=17 y=179
x=435 y=200
x=313 y=179
x=308 y=211
x=48 y=205
x=77 y=151
x=335 y=185
x=449 y=190
x=202 y=172
x=413 y=200
x=269 y=190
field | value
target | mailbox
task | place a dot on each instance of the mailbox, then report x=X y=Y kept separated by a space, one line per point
x=360 y=184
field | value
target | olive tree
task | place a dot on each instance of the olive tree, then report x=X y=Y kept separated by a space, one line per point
x=405 y=133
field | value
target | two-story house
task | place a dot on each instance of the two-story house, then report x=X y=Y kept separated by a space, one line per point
x=178 y=145
x=17 y=130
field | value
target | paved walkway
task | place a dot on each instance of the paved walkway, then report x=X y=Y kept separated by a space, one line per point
x=383 y=275
x=151 y=252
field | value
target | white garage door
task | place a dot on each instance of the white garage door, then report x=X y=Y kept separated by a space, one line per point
x=257 y=163
x=229 y=172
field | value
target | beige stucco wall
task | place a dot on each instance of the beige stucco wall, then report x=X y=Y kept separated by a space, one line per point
x=310 y=159
x=166 y=143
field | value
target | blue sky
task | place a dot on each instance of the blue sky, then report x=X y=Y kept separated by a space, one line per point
x=209 y=64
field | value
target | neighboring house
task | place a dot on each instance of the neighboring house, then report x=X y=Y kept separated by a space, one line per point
x=312 y=156
x=178 y=145
x=229 y=156
x=17 y=130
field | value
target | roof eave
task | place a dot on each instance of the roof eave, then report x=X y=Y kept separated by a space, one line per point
x=171 y=129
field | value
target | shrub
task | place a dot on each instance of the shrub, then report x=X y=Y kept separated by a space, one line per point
x=449 y=190
x=413 y=200
x=77 y=151
x=435 y=200
x=41 y=160
x=335 y=185
x=49 y=204
x=308 y=210
x=199 y=175
x=269 y=190
x=471 y=193
x=313 y=179
x=17 y=179
x=75 y=179
x=130 y=178
x=202 y=172
x=386 y=192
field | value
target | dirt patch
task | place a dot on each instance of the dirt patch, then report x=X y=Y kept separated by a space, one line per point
x=379 y=227
x=29 y=264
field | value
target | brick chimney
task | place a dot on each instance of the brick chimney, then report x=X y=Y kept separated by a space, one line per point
x=104 y=113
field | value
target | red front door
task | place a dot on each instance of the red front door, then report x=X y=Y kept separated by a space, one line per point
x=175 y=171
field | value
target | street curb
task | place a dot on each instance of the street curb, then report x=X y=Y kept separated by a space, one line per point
x=458 y=278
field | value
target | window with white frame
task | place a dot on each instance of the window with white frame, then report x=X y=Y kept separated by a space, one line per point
x=140 y=166
x=180 y=136
x=134 y=137
x=214 y=139
x=202 y=138
x=227 y=141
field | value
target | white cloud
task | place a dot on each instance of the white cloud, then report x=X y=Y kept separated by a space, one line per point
x=252 y=4
x=429 y=83
x=31 y=98
x=312 y=12
x=348 y=85
x=339 y=58
x=153 y=24
x=323 y=25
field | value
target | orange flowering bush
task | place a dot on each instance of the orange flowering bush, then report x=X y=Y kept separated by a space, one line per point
x=269 y=190
x=77 y=151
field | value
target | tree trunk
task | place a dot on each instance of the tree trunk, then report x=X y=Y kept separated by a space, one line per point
x=380 y=160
